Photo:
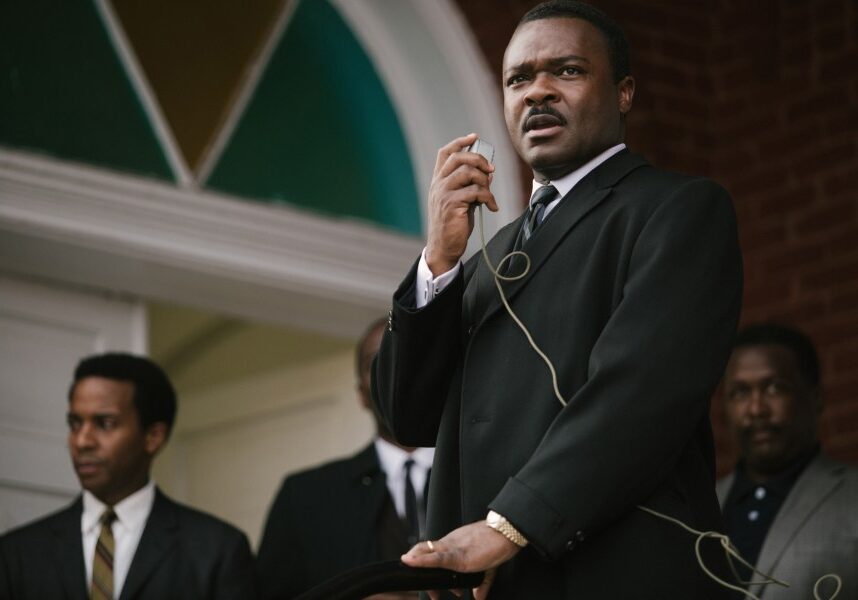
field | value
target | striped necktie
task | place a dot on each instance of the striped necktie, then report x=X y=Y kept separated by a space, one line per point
x=541 y=198
x=102 y=562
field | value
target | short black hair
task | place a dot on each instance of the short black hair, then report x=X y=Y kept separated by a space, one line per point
x=618 y=45
x=774 y=334
x=154 y=395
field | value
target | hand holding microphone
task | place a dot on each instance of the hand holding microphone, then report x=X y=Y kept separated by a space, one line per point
x=461 y=180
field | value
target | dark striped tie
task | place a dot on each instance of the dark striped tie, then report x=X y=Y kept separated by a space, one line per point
x=412 y=517
x=541 y=197
x=102 y=562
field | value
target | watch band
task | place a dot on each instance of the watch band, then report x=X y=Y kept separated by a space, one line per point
x=505 y=528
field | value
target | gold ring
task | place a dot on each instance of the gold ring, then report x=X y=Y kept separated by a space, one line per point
x=431 y=545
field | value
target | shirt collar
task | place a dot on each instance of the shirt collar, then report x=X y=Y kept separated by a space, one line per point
x=131 y=512
x=565 y=184
x=392 y=457
x=781 y=484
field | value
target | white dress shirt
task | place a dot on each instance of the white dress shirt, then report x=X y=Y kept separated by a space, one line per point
x=392 y=459
x=131 y=515
x=428 y=286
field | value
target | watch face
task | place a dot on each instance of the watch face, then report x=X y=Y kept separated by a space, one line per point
x=493 y=518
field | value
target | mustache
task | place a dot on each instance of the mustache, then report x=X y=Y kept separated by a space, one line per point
x=538 y=110
x=749 y=430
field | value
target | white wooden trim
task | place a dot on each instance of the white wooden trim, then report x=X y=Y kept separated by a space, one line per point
x=441 y=88
x=141 y=86
x=87 y=226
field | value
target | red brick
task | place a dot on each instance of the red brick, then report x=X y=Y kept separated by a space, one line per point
x=693 y=24
x=680 y=105
x=775 y=142
x=831 y=38
x=736 y=159
x=837 y=66
x=832 y=329
x=828 y=10
x=845 y=301
x=767 y=293
x=794 y=312
x=826 y=157
x=826 y=217
x=830 y=276
x=843 y=418
x=786 y=201
x=841 y=182
x=760 y=178
x=690 y=50
x=815 y=103
x=846 y=360
x=793 y=258
x=844 y=243
x=746 y=124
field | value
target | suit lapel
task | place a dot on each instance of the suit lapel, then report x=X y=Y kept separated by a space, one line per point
x=722 y=488
x=68 y=551
x=480 y=287
x=576 y=205
x=159 y=535
x=821 y=477
x=371 y=491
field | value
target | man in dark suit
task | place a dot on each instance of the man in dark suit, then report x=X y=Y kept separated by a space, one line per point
x=348 y=512
x=789 y=509
x=123 y=538
x=632 y=291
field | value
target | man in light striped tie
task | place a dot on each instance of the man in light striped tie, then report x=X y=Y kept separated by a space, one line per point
x=122 y=537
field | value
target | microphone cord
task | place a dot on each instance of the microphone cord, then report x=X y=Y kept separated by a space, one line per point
x=730 y=550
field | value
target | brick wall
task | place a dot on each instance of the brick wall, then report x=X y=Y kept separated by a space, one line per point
x=763 y=97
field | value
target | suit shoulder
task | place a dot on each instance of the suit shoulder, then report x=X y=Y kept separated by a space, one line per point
x=848 y=471
x=328 y=471
x=203 y=523
x=652 y=180
x=335 y=472
x=40 y=526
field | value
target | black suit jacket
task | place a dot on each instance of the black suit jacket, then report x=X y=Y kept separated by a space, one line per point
x=182 y=554
x=323 y=522
x=634 y=293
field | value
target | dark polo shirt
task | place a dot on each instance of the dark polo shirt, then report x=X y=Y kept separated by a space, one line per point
x=751 y=508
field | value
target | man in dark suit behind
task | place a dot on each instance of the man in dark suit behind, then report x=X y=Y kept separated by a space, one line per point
x=123 y=538
x=632 y=291
x=345 y=513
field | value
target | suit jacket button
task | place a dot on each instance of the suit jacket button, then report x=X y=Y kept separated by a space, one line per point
x=570 y=545
x=580 y=536
x=367 y=480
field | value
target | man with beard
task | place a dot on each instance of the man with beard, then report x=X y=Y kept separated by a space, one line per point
x=790 y=510
x=632 y=292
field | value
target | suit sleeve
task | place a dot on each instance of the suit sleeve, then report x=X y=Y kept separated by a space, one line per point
x=420 y=352
x=5 y=575
x=236 y=577
x=278 y=565
x=651 y=373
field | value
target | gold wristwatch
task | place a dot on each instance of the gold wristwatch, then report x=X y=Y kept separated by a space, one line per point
x=505 y=528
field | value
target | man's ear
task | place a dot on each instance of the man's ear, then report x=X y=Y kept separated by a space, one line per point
x=625 y=93
x=156 y=437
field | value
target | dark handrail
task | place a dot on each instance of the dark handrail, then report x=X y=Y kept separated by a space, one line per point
x=388 y=576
